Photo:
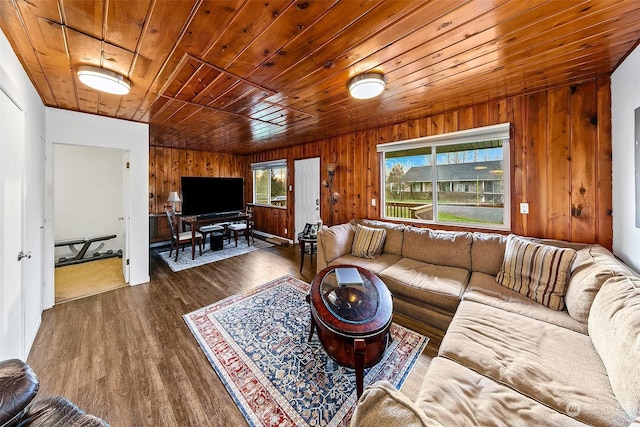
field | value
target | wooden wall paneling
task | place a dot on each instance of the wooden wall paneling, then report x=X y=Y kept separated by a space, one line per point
x=465 y=118
x=481 y=115
x=535 y=163
x=211 y=164
x=451 y=121
x=556 y=147
x=199 y=163
x=424 y=125
x=170 y=162
x=358 y=171
x=341 y=180
x=437 y=124
x=371 y=177
x=413 y=129
x=559 y=164
x=603 y=165
x=584 y=201
x=152 y=178
x=519 y=149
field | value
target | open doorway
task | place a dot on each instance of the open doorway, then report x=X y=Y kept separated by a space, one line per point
x=90 y=226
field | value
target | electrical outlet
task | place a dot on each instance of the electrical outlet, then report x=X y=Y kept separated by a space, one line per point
x=373 y=202
x=285 y=231
x=524 y=208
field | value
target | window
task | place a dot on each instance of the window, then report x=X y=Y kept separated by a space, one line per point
x=270 y=183
x=456 y=179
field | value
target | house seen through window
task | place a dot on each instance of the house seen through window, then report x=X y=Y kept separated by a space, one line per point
x=270 y=183
x=458 y=178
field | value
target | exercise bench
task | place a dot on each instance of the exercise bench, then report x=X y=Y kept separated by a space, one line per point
x=80 y=255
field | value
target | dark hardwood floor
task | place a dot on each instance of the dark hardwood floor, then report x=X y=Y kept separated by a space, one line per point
x=128 y=357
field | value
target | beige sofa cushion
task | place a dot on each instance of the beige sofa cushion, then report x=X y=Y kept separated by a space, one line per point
x=375 y=265
x=382 y=405
x=483 y=288
x=538 y=271
x=447 y=248
x=614 y=327
x=592 y=267
x=487 y=252
x=437 y=285
x=395 y=234
x=368 y=242
x=337 y=241
x=557 y=367
x=453 y=395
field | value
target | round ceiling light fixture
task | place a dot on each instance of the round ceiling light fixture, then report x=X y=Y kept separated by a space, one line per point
x=104 y=80
x=365 y=86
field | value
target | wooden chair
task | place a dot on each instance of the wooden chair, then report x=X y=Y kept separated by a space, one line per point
x=246 y=227
x=180 y=238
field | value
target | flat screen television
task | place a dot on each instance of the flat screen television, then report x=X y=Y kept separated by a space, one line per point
x=212 y=195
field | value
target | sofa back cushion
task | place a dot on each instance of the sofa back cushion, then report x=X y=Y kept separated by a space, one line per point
x=395 y=234
x=540 y=272
x=614 y=328
x=337 y=241
x=592 y=267
x=447 y=248
x=368 y=241
x=487 y=252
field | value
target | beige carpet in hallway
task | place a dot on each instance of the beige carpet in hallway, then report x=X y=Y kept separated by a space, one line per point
x=89 y=278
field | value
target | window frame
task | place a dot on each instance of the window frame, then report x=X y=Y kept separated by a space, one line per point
x=501 y=132
x=269 y=166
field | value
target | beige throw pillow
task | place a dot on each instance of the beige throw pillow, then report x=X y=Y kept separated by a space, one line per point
x=538 y=271
x=368 y=242
x=382 y=405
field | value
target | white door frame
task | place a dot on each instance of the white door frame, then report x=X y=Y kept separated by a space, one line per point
x=126 y=214
x=307 y=193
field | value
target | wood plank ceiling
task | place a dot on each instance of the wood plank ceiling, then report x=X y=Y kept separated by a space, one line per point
x=248 y=76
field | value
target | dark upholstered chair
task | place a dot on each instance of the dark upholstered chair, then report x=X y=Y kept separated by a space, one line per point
x=19 y=386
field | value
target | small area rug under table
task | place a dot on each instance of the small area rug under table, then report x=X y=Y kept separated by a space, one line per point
x=229 y=250
x=257 y=343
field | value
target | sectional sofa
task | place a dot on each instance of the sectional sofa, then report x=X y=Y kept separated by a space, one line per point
x=538 y=332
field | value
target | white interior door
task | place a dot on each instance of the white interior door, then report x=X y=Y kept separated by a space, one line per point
x=307 y=193
x=12 y=338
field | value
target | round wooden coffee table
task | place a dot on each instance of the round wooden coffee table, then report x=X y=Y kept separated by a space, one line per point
x=352 y=319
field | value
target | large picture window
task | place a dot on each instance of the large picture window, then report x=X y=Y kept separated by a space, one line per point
x=460 y=178
x=270 y=183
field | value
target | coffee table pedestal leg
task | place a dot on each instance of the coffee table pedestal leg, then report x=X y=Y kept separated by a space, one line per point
x=313 y=322
x=359 y=346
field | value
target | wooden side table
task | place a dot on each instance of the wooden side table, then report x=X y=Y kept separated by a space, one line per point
x=302 y=241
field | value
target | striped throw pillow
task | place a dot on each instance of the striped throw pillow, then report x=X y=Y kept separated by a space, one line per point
x=540 y=272
x=368 y=242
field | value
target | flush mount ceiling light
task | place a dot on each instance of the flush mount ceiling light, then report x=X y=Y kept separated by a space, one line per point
x=365 y=86
x=104 y=80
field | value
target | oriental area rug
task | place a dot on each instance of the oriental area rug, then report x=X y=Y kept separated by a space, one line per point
x=257 y=343
x=228 y=250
